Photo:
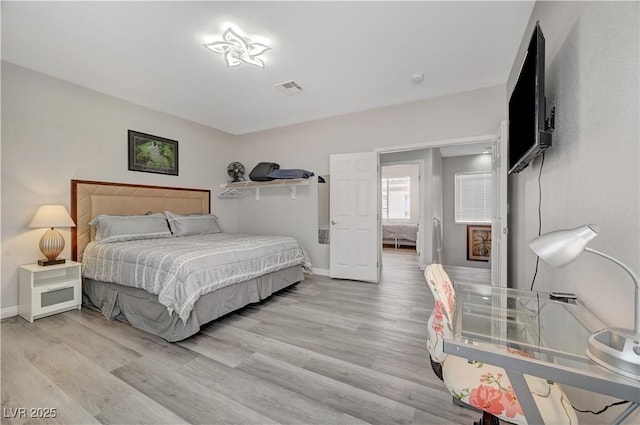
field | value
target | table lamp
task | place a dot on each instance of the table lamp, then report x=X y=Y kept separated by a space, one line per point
x=52 y=242
x=616 y=349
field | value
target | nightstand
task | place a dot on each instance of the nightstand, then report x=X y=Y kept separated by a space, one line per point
x=49 y=290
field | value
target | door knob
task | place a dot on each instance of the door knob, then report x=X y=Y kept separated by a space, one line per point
x=333 y=222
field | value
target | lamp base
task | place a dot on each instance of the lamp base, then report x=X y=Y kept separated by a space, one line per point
x=51 y=262
x=617 y=350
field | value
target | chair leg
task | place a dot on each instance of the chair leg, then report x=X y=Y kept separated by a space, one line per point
x=487 y=419
x=436 y=367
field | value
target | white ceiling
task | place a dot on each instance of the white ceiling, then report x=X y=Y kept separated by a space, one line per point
x=348 y=56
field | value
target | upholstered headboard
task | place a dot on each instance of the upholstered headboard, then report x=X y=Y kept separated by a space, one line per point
x=91 y=198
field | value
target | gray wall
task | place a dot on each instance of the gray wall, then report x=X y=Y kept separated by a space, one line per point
x=53 y=131
x=455 y=234
x=591 y=174
x=308 y=146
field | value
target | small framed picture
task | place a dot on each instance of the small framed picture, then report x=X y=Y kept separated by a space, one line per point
x=152 y=154
x=478 y=242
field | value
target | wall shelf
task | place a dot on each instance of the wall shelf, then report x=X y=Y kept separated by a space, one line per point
x=290 y=183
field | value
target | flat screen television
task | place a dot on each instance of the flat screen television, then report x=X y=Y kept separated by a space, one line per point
x=528 y=135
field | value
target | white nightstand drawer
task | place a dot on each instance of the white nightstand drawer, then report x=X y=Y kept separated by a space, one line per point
x=56 y=297
x=49 y=290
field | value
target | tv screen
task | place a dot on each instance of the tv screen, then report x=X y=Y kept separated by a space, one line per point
x=528 y=137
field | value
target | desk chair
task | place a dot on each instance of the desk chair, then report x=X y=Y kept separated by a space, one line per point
x=480 y=385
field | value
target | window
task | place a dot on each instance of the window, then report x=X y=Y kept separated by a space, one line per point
x=396 y=198
x=473 y=198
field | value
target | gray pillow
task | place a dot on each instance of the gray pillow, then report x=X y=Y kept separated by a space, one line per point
x=195 y=224
x=119 y=228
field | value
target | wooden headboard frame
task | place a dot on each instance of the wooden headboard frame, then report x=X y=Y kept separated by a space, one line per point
x=92 y=198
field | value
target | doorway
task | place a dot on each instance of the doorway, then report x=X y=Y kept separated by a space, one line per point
x=401 y=206
x=439 y=237
x=359 y=196
x=401 y=210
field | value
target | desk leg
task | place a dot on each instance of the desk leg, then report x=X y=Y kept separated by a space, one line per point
x=525 y=397
x=624 y=415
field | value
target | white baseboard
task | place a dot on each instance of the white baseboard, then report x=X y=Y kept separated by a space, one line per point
x=321 y=272
x=9 y=312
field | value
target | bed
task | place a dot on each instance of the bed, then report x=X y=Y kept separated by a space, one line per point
x=399 y=234
x=165 y=284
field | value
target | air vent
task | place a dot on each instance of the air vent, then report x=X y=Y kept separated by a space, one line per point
x=289 y=87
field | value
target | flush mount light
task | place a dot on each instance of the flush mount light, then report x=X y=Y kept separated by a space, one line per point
x=238 y=49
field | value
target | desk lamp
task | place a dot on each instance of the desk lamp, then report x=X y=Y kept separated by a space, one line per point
x=616 y=349
x=52 y=242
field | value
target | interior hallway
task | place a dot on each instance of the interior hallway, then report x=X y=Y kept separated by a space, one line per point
x=404 y=259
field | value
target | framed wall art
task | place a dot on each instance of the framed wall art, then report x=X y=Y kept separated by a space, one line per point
x=152 y=154
x=478 y=242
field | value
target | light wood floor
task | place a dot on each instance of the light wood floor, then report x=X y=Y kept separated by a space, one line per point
x=325 y=351
x=406 y=256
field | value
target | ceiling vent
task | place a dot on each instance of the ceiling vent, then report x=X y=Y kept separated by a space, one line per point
x=289 y=87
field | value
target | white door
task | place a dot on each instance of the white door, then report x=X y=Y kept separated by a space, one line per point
x=499 y=228
x=353 y=216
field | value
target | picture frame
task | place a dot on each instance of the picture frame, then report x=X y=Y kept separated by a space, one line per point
x=478 y=242
x=152 y=154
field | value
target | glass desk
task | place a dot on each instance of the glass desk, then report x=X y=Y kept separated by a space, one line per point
x=529 y=333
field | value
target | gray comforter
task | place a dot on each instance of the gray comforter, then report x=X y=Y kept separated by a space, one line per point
x=179 y=270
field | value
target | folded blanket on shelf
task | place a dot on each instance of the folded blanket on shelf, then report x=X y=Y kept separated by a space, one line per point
x=290 y=174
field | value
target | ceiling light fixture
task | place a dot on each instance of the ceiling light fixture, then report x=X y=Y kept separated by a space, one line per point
x=238 y=49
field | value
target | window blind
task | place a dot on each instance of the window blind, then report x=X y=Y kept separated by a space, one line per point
x=473 y=198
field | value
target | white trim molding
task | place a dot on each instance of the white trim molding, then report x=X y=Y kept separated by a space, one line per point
x=320 y=272
x=436 y=143
x=9 y=312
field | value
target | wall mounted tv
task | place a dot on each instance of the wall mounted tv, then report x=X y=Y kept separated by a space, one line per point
x=528 y=135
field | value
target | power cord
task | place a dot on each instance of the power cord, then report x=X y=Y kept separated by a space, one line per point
x=533 y=281
x=617 y=403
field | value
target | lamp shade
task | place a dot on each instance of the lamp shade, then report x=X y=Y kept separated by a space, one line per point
x=52 y=216
x=561 y=247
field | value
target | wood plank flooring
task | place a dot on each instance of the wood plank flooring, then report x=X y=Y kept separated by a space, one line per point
x=322 y=352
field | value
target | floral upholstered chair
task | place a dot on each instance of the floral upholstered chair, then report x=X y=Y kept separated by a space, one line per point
x=480 y=385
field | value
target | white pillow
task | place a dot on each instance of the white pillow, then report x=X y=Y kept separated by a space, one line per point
x=119 y=228
x=194 y=224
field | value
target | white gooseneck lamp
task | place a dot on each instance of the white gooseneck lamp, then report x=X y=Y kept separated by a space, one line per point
x=616 y=349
